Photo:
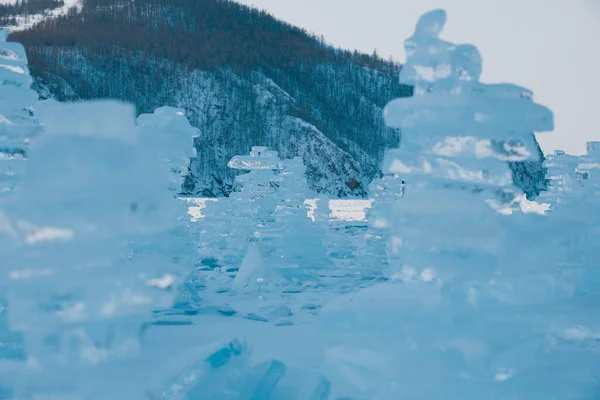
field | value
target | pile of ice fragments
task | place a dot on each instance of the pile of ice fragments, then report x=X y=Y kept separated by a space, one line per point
x=448 y=290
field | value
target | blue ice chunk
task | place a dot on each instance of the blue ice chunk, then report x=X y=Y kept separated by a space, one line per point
x=281 y=311
x=188 y=299
x=261 y=380
x=260 y=158
x=210 y=374
x=298 y=384
x=240 y=383
x=225 y=354
x=256 y=317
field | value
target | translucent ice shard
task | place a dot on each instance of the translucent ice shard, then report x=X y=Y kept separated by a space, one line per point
x=224 y=374
x=473 y=108
x=259 y=382
x=298 y=384
x=254 y=272
x=210 y=375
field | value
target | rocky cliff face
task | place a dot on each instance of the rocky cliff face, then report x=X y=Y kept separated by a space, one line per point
x=243 y=78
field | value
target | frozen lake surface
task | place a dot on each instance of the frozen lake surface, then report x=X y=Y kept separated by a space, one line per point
x=345 y=210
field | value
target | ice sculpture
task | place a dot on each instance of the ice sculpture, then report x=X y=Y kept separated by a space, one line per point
x=209 y=241
x=385 y=193
x=322 y=213
x=458 y=134
x=79 y=305
x=462 y=315
x=240 y=238
x=253 y=202
x=168 y=134
x=481 y=301
x=285 y=240
x=167 y=137
x=355 y=251
x=17 y=124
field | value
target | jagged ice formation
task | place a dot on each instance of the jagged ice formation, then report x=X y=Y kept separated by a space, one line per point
x=79 y=305
x=461 y=317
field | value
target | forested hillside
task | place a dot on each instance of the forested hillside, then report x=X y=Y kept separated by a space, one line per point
x=243 y=77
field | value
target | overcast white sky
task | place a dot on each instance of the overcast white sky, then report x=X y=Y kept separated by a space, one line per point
x=549 y=46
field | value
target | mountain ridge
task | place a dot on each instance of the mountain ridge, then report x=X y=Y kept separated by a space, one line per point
x=243 y=77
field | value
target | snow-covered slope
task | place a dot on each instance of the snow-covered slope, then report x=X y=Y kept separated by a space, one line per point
x=24 y=21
